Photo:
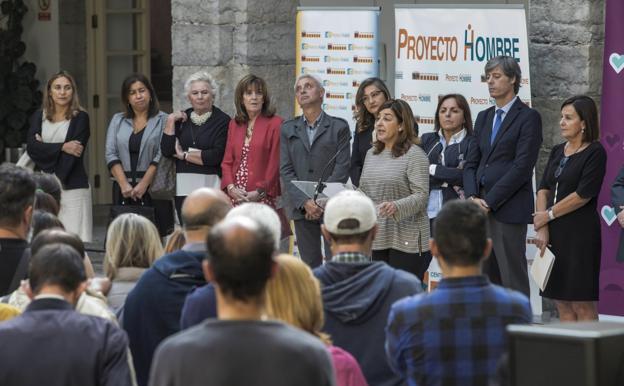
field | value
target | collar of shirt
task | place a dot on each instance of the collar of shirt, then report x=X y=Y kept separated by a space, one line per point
x=195 y=247
x=49 y=296
x=506 y=108
x=462 y=282
x=455 y=138
x=314 y=124
x=351 y=257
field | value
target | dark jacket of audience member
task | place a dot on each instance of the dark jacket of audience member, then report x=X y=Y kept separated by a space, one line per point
x=200 y=304
x=152 y=309
x=357 y=300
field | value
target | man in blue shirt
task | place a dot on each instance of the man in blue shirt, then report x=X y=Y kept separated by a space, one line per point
x=455 y=334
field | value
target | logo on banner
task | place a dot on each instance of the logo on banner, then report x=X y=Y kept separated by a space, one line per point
x=416 y=98
x=335 y=95
x=330 y=34
x=310 y=58
x=363 y=35
x=464 y=78
x=330 y=59
x=425 y=76
x=337 y=47
x=313 y=35
x=362 y=59
x=608 y=214
x=308 y=46
x=332 y=83
x=617 y=62
x=336 y=71
x=308 y=70
x=425 y=120
x=329 y=107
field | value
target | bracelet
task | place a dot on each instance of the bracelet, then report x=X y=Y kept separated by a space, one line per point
x=551 y=214
x=230 y=187
x=185 y=155
x=261 y=193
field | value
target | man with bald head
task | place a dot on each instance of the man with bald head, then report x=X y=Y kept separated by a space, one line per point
x=240 y=348
x=152 y=309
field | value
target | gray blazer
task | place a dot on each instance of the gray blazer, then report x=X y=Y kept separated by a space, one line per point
x=300 y=161
x=118 y=137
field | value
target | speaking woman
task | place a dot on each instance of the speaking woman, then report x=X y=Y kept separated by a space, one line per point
x=56 y=142
x=396 y=178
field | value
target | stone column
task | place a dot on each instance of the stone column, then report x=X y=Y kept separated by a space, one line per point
x=566 y=43
x=231 y=38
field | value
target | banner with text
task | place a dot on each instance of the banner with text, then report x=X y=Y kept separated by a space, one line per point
x=612 y=138
x=441 y=50
x=340 y=47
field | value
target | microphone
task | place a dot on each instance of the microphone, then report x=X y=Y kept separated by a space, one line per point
x=320 y=186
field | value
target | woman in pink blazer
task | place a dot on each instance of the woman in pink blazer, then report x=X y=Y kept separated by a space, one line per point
x=251 y=162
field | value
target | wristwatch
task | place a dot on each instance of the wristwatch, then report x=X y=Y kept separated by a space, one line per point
x=551 y=215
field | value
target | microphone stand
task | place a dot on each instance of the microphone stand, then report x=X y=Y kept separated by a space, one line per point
x=320 y=186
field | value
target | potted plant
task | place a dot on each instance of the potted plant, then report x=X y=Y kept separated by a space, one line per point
x=19 y=89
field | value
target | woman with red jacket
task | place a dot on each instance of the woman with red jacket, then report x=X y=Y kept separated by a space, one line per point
x=250 y=165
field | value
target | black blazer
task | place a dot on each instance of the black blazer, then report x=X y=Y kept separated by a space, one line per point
x=450 y=173
x=49 y=157
x=617 y=200
x=210 y=138
x=362 y=141
x=504 y=169
x=51 y=344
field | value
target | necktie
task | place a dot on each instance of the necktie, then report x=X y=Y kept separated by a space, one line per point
x=497 y=124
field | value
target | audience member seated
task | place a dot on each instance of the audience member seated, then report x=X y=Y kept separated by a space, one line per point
x=456 y=333
x=239 y=348
x=42 y=220
x=17 y=197
x=358 y=292
x=8 y=312
x=175 y=241
x=51 y=344
x=46 y=203
x=90 y=302
x=201 y=303
x=132 y=246
x=152 y=309
x=50 y=184
x=294 y=296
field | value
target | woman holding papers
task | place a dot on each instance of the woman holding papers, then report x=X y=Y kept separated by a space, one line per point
x=396 y=177
x=566 y=219
x=196 y=138
x=133 y=149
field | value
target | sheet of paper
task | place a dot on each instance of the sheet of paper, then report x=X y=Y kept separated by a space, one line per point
x=541 y=267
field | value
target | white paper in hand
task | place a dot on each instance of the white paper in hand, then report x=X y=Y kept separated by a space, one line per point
x=541 y=267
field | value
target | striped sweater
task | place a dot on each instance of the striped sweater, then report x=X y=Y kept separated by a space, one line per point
x=405 y=181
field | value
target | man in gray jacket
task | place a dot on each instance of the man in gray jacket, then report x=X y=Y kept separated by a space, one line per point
x=313 y=146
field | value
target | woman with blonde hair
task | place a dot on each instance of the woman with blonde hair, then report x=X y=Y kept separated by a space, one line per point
x=56 y=142
x=132 y=246
x=294 y=296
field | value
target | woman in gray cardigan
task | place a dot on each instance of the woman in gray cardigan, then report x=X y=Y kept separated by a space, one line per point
x=396 y=177
x=133 y=149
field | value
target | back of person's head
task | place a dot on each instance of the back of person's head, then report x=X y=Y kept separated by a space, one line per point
x=131 y=241
x=57 y=236
x=50 y=184
x=204 y=208
x=294 y=296
x=17 y=194
x=240 y=257
x=45 y=202
x=461 y=233
x=175 y=241
x=56 y=265
x=350 y=218
x=261 y=213
x=42 y=221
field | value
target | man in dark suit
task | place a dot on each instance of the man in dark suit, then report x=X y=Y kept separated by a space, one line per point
x=50 y=343
x=499 y=171
x=307 y=144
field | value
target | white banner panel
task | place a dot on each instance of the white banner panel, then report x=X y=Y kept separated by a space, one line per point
x=340 y=47
x=442 y=50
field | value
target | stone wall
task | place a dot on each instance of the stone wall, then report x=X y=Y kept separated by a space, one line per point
x=566 y=40
x=231 y=38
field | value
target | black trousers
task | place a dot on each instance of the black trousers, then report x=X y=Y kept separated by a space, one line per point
x=415 y=263
x=163 y=209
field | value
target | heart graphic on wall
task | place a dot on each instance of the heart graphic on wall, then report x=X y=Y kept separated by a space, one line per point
x=617 y=62
x=612 y=140
x=608 y=214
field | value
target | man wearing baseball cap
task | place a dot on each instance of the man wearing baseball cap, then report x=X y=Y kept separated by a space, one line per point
x=358 y=292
